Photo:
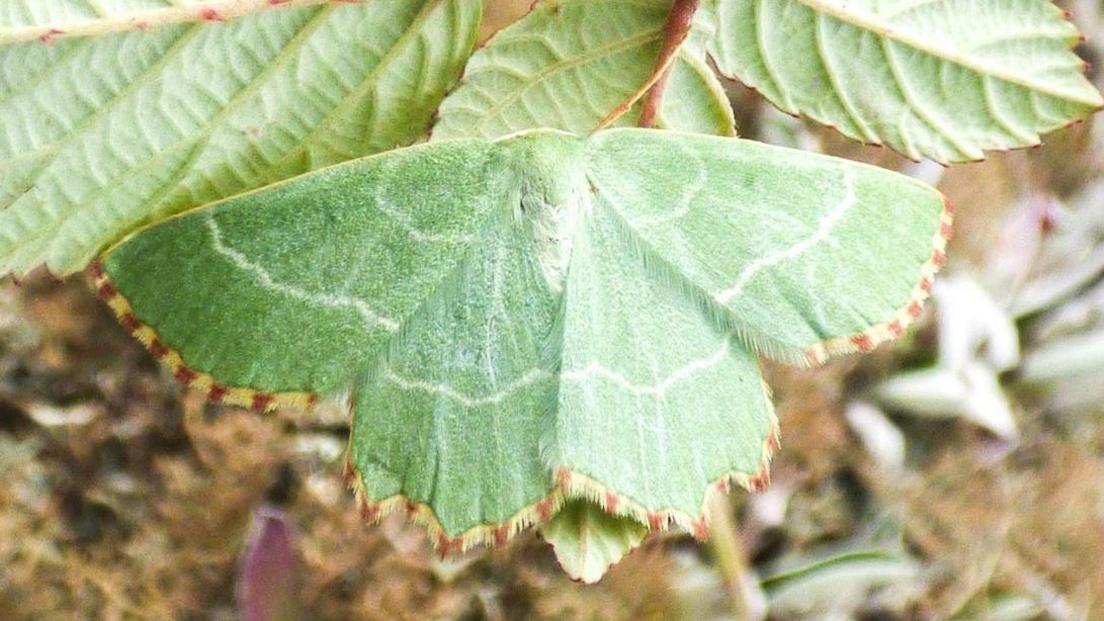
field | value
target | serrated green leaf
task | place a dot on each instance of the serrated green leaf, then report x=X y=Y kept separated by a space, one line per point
x=945 y=79
x=50 y=20
x=587 y=540
x=694 y=101
x=104 y=133
x=566 y=65
x=515 y=326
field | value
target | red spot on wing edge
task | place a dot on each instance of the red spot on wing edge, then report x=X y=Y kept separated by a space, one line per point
x=759 y=482
x=544 y=509
x=700 y=529
x=158 y=349
x=773 y=441
x=130 y=323
x=657 y=521
x=862 y=342
x=612 y=501
x=216 y=392
x=444 y=544
x=261 y=401
x=895 y=328
x=369 y=511
x=184 y=375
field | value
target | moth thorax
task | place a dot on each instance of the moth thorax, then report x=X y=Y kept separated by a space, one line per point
x=552 y=224
x=550 y=165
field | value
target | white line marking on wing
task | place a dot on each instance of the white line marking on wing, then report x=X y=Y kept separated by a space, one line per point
x=265 y=279
x=406 y=223
x=469 y=401
x=594 y=369
x=597 y=369
x=688 y=195
x=824 y=229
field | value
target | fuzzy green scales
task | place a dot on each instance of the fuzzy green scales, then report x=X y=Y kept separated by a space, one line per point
x=545 y=302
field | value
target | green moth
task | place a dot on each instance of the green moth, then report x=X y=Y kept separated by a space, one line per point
x=539 y=317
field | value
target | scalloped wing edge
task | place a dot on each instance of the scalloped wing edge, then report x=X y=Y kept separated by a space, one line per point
x=577 y=485
x=417 y=512
x=216 y=392
x=566 y=484
x=903 y=317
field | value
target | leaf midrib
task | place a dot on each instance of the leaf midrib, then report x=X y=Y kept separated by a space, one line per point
x=196 y=141
x=150 y=18
x=870 y=23
x=576 y=61
x=370 y=81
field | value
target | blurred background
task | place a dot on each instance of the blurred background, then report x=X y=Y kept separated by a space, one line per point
x=955 y=474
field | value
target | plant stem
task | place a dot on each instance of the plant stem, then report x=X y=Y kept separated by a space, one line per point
x=748 y=603
x=674 y=33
